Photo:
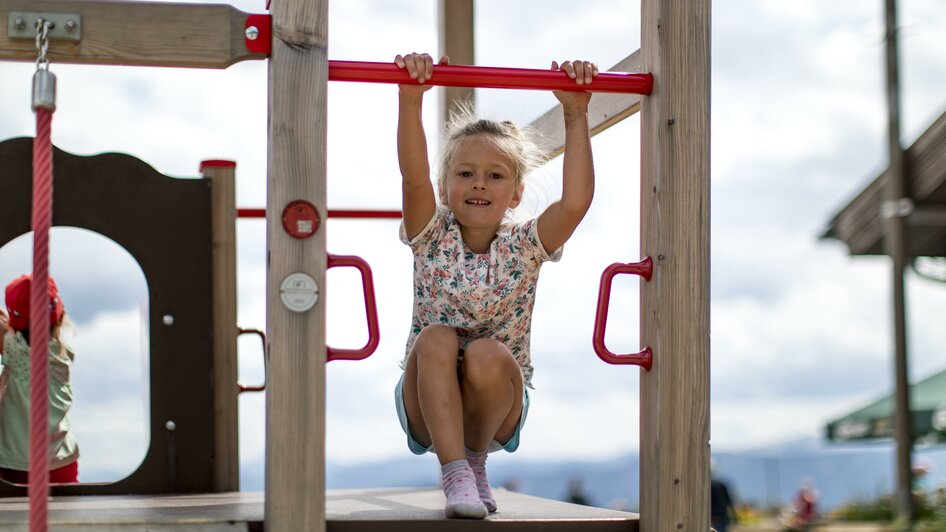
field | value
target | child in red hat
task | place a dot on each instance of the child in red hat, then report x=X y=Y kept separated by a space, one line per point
x=15 y=388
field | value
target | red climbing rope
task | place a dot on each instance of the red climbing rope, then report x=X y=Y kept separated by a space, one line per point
x=44 y=104
x=39 y=322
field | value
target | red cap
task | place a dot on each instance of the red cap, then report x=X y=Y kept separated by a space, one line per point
x=18 y=303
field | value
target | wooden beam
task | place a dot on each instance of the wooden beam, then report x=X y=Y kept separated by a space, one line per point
x=222 y=175
x=295 y=394
x=457 y=40
x=137 y=34
x=675 y=305
x=605 y=110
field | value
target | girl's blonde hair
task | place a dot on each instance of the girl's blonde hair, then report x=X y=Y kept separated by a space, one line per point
x=516 y=143
x=57 y=334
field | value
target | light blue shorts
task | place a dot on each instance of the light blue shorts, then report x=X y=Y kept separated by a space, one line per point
x=417 y=448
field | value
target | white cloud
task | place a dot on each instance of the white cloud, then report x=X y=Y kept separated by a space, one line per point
x=111 y=412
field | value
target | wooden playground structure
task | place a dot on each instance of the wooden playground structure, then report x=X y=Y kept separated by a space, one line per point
x=292 y=37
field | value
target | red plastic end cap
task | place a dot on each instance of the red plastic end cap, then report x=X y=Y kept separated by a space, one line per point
x=216 y=163
x=262 y=39
x=647 y=355
x=648 y=84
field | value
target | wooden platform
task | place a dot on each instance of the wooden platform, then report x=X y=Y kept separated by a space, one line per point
x=383 y=510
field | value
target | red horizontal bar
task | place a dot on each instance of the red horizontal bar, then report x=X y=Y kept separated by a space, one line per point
x=490 y=77
x=332 y=213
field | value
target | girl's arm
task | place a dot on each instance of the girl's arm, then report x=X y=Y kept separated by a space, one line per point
x=417 y=192
x=560 y=219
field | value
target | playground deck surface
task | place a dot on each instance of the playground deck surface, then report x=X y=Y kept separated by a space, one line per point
x=384 y=510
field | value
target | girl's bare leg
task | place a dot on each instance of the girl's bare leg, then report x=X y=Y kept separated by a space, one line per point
x=435 y=414
x=432 y=393
x=491 y=387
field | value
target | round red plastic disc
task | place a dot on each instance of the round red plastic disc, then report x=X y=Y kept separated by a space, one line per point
x=300 y=219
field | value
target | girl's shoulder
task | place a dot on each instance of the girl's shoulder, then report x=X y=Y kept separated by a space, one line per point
x=517 y=229
x=441 y=226
x=523 y=237
x=15 y=350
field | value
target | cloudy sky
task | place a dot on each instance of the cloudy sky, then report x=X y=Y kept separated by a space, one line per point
x=801 y=332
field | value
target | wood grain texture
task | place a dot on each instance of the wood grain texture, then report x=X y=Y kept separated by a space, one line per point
x=138 y=34
x=226 y=406
x=457 y=39
x=675 y=201
x=295 y=396
x=604 y=110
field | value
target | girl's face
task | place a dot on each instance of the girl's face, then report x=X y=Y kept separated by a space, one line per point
x=481 y=184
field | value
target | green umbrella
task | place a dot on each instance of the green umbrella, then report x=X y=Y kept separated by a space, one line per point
x=927 y=408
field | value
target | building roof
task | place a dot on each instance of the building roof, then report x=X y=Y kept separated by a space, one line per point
x=860 y=225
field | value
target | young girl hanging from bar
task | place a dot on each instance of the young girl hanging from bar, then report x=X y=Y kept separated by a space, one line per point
x=15 y=388
x=467 y=368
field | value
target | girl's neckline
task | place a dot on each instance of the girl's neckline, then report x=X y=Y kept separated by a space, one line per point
x=466 y=246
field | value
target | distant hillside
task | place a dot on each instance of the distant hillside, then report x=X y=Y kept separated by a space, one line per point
x=763 y=477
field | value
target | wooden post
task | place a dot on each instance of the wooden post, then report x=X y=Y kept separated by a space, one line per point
x=895 y=244
x=675 y=200
x=295 y=396
x=226 y=405
x=457 y=38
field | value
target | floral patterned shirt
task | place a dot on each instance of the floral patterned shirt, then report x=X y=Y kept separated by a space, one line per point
x=488 y=295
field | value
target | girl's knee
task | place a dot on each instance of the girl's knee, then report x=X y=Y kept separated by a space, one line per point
x=487 y=360
x=437 y=334
x=436 y=341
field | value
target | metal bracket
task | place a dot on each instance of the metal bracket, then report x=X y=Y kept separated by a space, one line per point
x=896 y=208
x=65 y=26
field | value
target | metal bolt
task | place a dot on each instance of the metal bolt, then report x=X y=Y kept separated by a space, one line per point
x=252 y=33
x=168 y=320
x=71 y=26
x=19 y=24
x=171 y=426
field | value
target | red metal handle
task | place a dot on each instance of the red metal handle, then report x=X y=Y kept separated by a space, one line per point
x=374 y=333
x=490 y=77
x=243 y=387
x=643 y=358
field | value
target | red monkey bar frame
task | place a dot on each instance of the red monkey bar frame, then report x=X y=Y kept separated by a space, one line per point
x=458 y=75
x=332 y=213
x=490 y=77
